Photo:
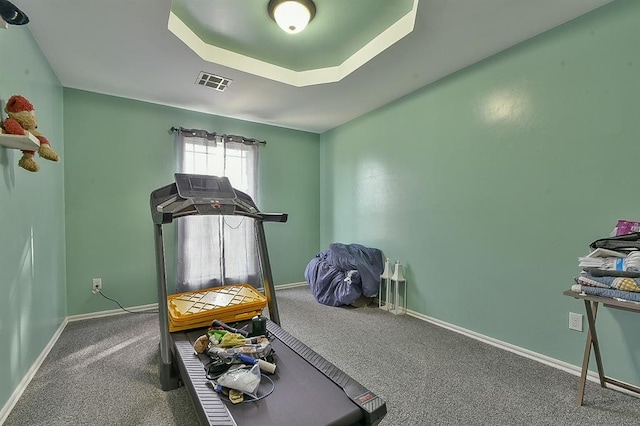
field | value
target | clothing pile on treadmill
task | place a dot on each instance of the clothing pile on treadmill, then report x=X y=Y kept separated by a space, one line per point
x=344 y=274
x=238 y=359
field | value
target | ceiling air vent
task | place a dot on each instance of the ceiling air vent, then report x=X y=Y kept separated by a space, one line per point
x=213 y=81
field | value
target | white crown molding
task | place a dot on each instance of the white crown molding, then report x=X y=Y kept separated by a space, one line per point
x=228 y=58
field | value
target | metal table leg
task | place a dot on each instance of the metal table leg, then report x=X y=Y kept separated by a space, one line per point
x=592 y=340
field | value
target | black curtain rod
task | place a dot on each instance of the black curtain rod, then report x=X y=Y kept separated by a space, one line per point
x=213 y=135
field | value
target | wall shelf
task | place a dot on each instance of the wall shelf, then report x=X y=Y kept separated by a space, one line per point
x=26 y=142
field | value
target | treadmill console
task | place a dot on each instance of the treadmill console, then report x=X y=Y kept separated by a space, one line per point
x=210 y=194
x=203 y=188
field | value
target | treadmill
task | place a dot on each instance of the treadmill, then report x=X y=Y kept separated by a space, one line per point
x=308 y=389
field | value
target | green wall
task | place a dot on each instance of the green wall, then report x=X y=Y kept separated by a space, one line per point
x=32 y=277
x=119 y=150
x=488 y=184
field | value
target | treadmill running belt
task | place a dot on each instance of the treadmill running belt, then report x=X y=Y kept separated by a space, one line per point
x=303 y=395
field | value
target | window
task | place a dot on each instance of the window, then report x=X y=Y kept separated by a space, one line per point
x=218 y=250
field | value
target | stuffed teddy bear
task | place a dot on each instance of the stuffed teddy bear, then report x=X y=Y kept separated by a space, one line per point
x=22 y=119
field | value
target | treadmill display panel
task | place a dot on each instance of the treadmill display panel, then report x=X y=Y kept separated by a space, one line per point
x=204 y=187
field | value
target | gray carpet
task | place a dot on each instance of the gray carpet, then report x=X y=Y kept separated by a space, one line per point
x=105 y=372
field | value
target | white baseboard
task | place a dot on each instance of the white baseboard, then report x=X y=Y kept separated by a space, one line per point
x=153 y=306
x=291 y=285
x=17 y=393
x=111 y=312
x=552 y=362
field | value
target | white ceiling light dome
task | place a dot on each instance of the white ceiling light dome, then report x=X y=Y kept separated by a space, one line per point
x=292 y=15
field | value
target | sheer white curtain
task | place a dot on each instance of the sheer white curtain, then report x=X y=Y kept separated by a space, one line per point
x=217 y=250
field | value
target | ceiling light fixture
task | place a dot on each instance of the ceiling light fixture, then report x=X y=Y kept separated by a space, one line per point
x=10 y=14
x=292 y=15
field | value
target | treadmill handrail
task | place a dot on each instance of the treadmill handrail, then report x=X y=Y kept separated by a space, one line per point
x=167 y=204
x=264 y=217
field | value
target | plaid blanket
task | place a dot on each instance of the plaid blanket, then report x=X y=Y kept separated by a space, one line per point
x=617 y=283
x=607 y=292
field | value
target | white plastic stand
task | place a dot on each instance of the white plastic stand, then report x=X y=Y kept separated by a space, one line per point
x=384 y=288
x=399 y=305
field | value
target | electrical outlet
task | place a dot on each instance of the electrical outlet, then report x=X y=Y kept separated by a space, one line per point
x=96 y=285
x=575 y=321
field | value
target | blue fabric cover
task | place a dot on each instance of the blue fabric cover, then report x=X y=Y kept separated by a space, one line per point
x=611 y=293
x=343 y=273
